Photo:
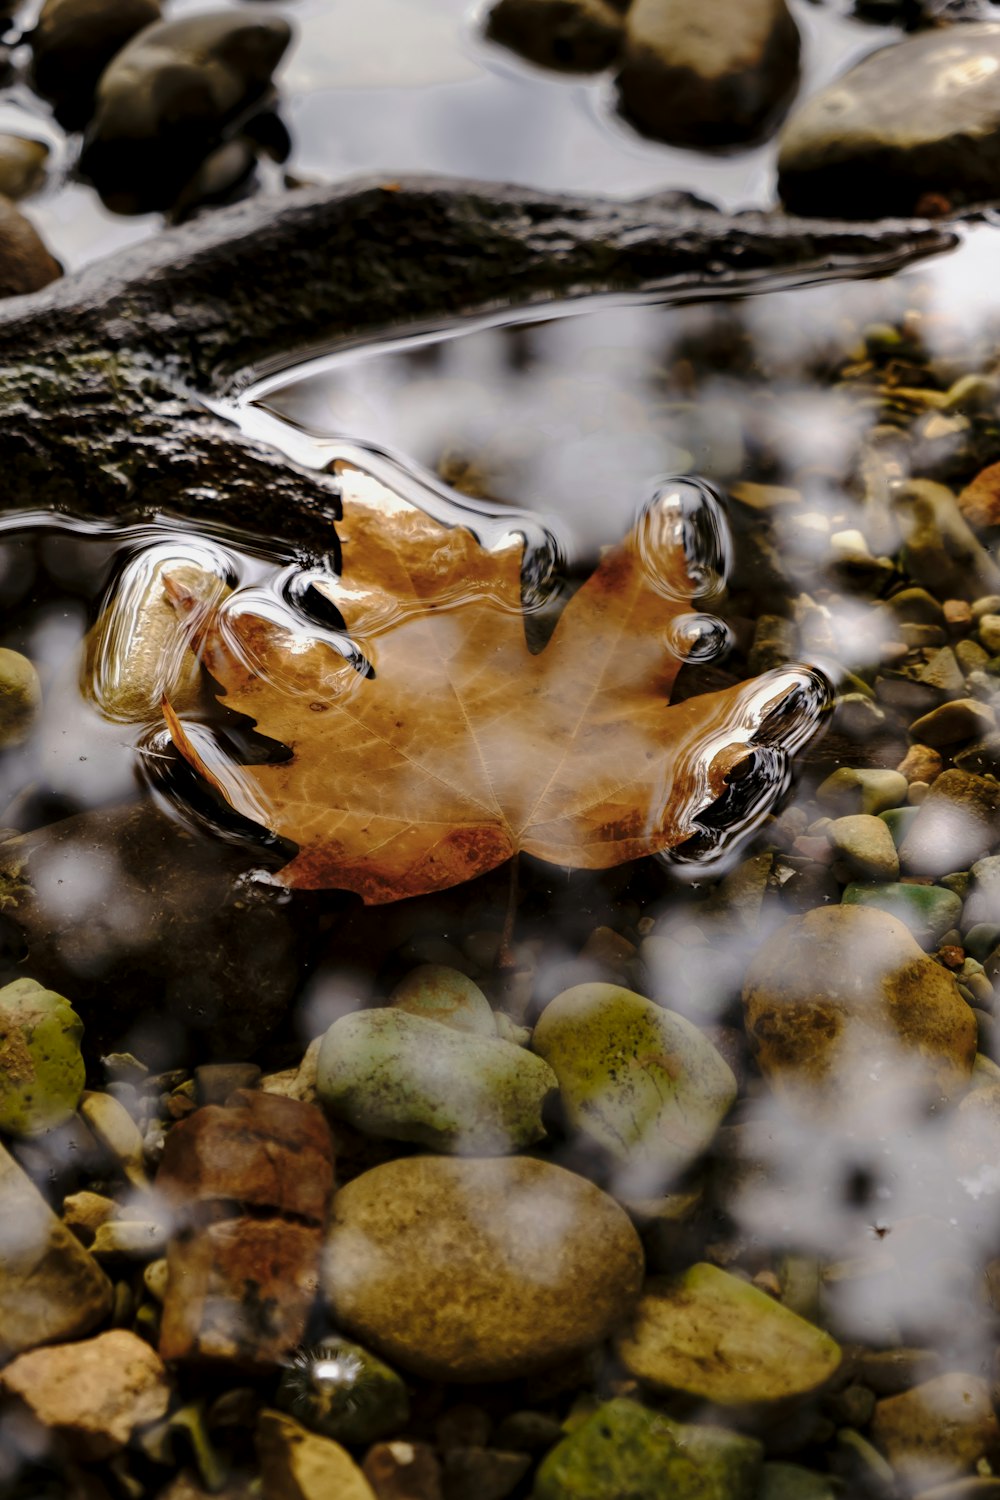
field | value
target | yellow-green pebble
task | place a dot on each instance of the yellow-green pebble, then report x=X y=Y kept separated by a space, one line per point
x=20 y=697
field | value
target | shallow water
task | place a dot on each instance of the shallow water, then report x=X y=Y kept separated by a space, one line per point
x=745 y=430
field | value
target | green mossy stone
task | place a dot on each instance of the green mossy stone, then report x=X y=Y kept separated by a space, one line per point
x=342 y=1391
x=624 y=1451
x=438 y=993
x=20 y=697
x=713 y=1335
x=929 y=911
x=400 y=1076
x=643 y=1082
x=42 y=1072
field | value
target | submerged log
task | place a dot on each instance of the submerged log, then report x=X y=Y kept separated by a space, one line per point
x=107 y=378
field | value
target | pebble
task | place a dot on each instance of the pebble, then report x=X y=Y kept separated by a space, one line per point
x=403 y=1471
x=843 y=994
x=94 y=1394
x=486 y=1473
x=341 y=1391
x=920 y=116
x=20 y=689
x=42 y=1071
x=979 y=502
x=707 y=72
x=989 y=633
x=624 y=1449
x=929 y=911
x=574 y=36
x=714 y=1336
x=396 y=1075
x=958 y=823
x=938 y=1430
x=51 y=1288
x=850 y=789
x=22 y=165
x=478 y=1270
x=961 y=719
x=942 y=672
x=85 y=1212
x=438 y=993
x=866 y=846
x=916 y=606
x=644 y=1083
x=164 y=101
x=112 y=1125
x=899 y=820
x=72 y=44
x=214 y=1082
x=129 y=1239
x=298 y=1465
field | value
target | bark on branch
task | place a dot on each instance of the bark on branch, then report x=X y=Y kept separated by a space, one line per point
x=100 y=374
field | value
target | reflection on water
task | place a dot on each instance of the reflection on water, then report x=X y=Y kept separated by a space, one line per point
x=400 y=87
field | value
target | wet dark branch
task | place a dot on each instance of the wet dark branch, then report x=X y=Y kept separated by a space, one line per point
x=95 y=372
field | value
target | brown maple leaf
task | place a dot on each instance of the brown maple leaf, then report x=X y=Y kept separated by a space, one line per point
x=461 y=747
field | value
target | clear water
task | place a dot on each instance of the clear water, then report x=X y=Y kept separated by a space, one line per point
x=560 y=430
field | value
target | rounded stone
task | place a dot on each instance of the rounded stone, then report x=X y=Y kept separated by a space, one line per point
x=921 y=116
x=865 y=844
x=644 y=1083
x=22 y=165
x=42 y=1072
x=707 y=72
x=575 y=36
x=843 y=1001
x=479 y=1270
x=20 y=690
x=439 y=993
x=712 y=1335
x=396 y=1075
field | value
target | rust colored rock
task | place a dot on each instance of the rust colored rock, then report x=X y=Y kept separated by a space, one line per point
x=979 y=502
x=250 y=1187
x=240 y=1290
x=266 y=1152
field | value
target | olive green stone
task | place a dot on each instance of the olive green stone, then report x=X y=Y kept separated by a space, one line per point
x=643 y=1082
x=42 y=1071
x=342 y=1391
x=397 y=1075
x=626 y=1450
x=438 y=993
x=20 y=697
x=712 y=1335
x=927 y=910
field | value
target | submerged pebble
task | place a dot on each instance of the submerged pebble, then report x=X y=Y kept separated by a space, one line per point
x=20 y=689
x=624 y=1449
x=712 y=1335
x=642 y=1082
x=707 y=72
x=842 y=1001
x=393 y=1074
x=42 y=1071
x=478 y=1270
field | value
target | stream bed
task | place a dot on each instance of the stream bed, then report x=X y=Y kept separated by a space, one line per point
x=506 y=1007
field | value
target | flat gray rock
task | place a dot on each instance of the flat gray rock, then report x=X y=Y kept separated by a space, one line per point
x=911 y=129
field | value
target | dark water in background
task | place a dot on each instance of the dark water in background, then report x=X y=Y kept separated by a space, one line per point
x=411 y=86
